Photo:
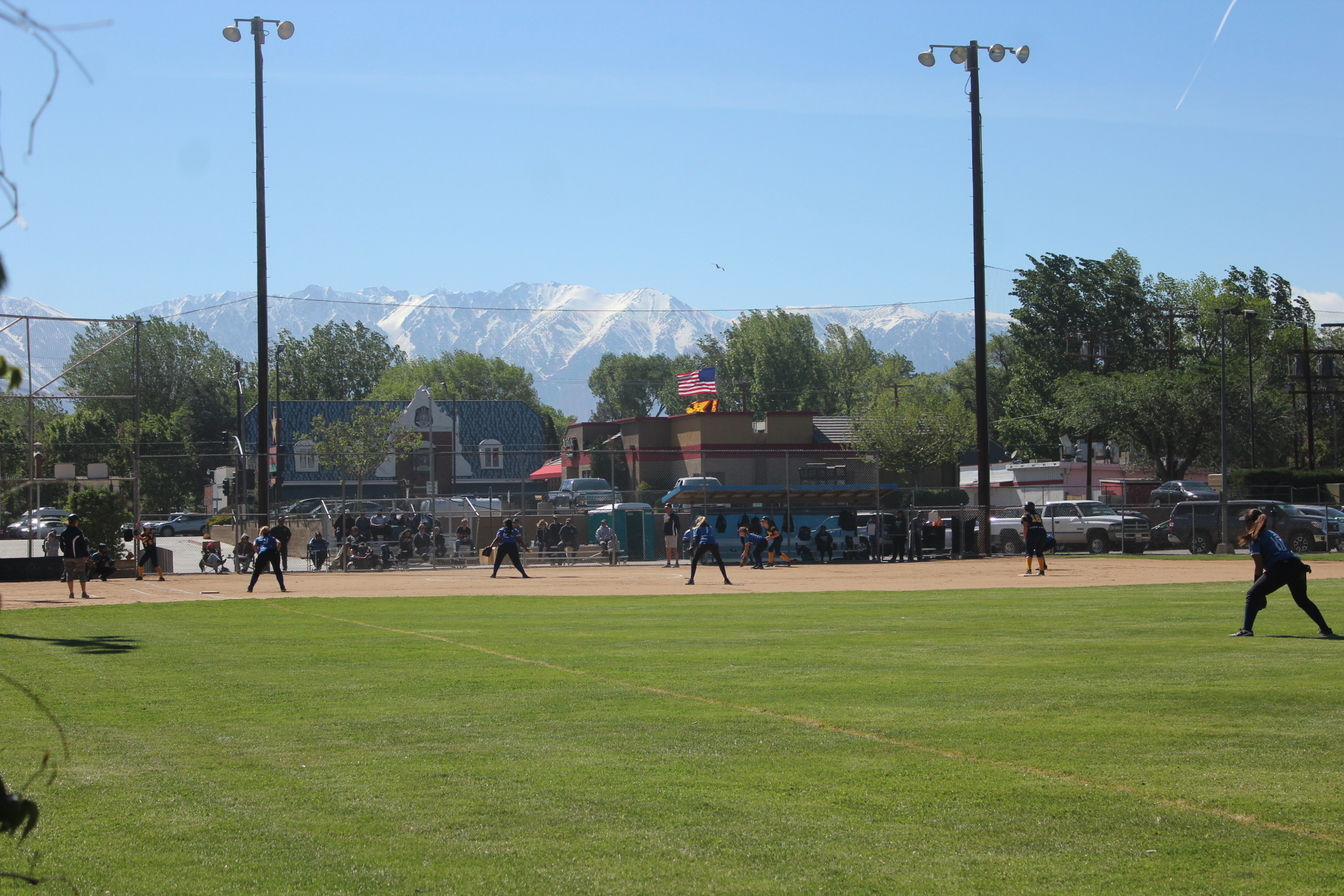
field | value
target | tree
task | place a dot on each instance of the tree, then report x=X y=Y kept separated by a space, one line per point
x=335 y=362
x=357 y=447
x=850 y=362
x=777 y=354
x=182 y=370
x=632 y=385
x=1169 y=416
x=459 y=375
x=1079 y=314
x=467 y=376
x=171 y=477
x=103 y=512
x=931 y=426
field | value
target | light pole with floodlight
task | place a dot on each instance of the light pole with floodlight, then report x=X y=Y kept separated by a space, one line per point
x=970 y=56
x=285 y=30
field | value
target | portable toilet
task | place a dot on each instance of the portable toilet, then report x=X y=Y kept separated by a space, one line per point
x=634 y=525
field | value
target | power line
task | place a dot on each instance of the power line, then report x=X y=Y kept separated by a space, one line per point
x=524 y=310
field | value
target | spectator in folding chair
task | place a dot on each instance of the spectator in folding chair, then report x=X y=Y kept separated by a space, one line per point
x=541 y=539
x=317 y=550
x=244 y=552
x=464 y=541
x=553 y=541
x=380 y=526
x=569 y=539
x=423 y=543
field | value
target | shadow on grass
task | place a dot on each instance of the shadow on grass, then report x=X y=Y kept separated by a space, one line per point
x=1308 y=637
x=97 y=644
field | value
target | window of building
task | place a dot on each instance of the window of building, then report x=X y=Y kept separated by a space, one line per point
x=305 y=456
x=492 y=454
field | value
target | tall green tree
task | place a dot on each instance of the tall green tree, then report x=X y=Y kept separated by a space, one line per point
x=468 y=376
x=171 y=478
x=103 y=512
x=930 y=427
x=358 y=446
x=182 y=370
x=853 y=371
x=1169 y=417
x=631 y=385
x=337 y=361
x=776 y=353
x=460 y=375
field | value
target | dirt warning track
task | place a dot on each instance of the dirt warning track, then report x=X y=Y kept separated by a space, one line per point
x=654 y=579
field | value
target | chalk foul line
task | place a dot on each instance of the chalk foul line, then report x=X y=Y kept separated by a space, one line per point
x=821 y=725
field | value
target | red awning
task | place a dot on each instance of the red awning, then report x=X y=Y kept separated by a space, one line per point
x=549 y=470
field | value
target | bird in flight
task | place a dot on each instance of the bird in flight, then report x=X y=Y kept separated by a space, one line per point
x=717 y=265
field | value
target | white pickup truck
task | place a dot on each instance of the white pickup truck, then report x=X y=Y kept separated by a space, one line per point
x=1088 y=525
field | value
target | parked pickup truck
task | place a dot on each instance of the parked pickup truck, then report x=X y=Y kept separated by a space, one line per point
x=1088 y=525
x=582 y=492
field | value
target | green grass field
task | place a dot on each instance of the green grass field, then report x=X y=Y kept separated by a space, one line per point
x=997 y=742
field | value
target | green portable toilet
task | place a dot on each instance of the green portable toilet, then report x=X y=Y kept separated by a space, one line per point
x=634 y=525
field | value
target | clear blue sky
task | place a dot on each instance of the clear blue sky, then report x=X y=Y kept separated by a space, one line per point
x=800 y=145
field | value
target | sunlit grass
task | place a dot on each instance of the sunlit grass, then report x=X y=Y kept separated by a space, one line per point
x=1099 y=740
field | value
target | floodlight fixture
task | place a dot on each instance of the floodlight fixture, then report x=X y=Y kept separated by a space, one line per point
x=232 y=34
x=285 y=30
x=997 y=52
x=926 y=58
x=1022 y=53
x=958 y=55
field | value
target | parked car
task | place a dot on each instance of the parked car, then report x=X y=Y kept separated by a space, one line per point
x=38 y=528
x=31 y=523
x=1178 y=490
x=181 y=524
x=1334 y=523
x=1092 y=525
x=581 y=492
x=304 y=507
x=1194 y=524
x=357 y=507
x=697 y=482
x=445 y=507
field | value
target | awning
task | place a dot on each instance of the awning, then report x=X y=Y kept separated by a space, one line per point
x=549 y=470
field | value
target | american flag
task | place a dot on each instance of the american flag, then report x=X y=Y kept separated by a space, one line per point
x=697 y=382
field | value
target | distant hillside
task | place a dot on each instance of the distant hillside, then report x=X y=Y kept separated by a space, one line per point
x=556 y=332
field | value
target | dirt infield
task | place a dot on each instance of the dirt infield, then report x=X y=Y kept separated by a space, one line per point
x=651 y=579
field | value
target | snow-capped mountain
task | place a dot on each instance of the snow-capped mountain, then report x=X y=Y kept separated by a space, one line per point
x=556 y=332
x=48 y=331
x=932 y=342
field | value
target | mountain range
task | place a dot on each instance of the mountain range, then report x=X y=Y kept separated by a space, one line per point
x=556 y=332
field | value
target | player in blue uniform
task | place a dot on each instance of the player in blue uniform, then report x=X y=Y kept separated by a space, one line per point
x=1275 y=566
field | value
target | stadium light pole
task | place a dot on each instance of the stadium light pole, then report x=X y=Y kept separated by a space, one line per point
x=969 y=54
x=1247 y=314
x=232 y=33
x=1223 y=546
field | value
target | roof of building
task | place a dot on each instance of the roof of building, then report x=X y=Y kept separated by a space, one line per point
x=833 y=430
